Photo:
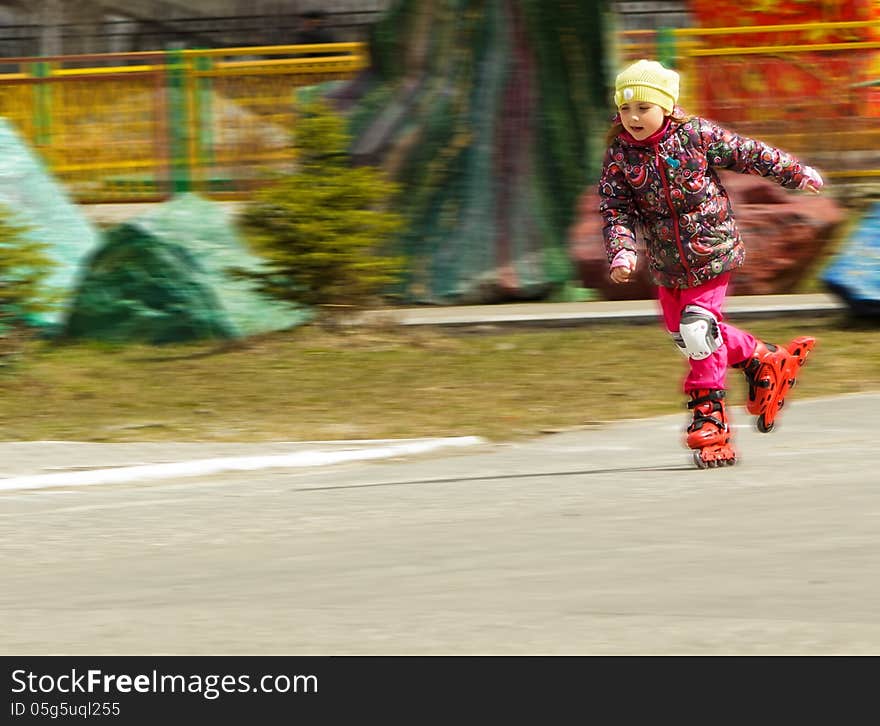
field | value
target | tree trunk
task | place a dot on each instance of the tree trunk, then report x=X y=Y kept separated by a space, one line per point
x=489 y=113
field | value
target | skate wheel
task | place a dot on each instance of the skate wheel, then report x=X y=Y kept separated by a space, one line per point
x=763 y=426
x=698 y=460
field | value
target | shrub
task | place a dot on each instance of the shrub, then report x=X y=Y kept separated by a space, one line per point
x=325 y=230
x=23 y=268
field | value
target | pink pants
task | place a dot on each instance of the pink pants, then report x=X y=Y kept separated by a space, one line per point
x=738 y=345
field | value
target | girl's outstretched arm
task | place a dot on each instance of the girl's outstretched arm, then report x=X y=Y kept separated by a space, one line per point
x=729 y=150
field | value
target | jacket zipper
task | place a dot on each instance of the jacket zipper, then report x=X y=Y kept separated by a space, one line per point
x=672 y=211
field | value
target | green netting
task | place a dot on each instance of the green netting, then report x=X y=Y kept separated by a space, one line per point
x=165 y=277
x=40 y=203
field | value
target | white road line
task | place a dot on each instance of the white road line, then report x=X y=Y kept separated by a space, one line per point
x=206 y=467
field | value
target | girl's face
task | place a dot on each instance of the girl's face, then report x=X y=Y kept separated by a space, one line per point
x=641 y=119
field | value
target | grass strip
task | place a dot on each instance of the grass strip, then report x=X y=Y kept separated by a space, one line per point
x=389 y=383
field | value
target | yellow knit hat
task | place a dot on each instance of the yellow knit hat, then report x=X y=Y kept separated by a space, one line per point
x=647 y=81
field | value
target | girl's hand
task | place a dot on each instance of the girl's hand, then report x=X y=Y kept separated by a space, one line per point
x=620 y=275
x=622 y=266
x=812 y=181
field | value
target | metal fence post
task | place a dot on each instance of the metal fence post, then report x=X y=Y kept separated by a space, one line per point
x=178 y=122
x=42 y=104
x=667 y=53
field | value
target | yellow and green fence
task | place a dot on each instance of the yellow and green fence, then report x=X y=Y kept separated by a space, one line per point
x=810 y=88
x=143 y=126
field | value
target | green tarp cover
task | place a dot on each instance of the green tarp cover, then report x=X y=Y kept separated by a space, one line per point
x=164 y=277
x=39 y=202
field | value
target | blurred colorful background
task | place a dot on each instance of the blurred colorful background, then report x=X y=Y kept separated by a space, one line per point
x=487 y=118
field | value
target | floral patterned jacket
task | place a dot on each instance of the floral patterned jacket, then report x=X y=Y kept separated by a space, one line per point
x=668 y=186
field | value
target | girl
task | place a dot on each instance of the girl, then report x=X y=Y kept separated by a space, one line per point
x=659 y=174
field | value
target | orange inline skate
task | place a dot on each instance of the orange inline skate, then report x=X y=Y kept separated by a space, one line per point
x=710 y=434
x=771 y=372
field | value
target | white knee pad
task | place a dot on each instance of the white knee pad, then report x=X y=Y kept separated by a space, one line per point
x=699 y=332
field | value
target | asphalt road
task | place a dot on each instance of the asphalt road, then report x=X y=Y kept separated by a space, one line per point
x=601 y=540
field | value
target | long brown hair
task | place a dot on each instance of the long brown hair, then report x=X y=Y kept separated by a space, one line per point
x=677 y=115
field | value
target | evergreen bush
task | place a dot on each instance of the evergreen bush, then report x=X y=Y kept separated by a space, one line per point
x=24 y=266
x=325 y=231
